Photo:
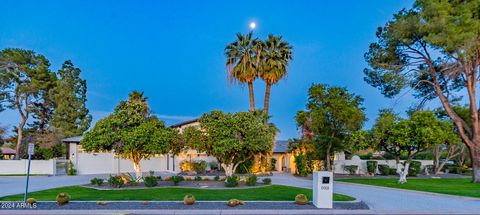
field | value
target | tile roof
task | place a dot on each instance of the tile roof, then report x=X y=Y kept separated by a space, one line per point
x=281 y=146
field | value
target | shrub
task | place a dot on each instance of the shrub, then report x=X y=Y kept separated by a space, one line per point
x=301 y=199
x=372 y=167
x=392 y=171
x=231 y=181
x=430 y=169
x=251 y=180
x=301 y=167
x=245 y=167
x=384 y=169
x=177 y=179
x=367 y=156
x=167 y=178
x=31 y=201
x=267 y=180
x=96 y=181
x=189 y=199
x=414 y=168
x=71 y=169
x=115 y=181
x=198 y=178
x=206 y=179
x=351 y=169
x=217 y=178
x=273 y=164
x=200 y=166
x=63 y=198
x=213 y=165
x=151 y=180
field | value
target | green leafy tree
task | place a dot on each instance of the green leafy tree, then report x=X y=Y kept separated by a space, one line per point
x=332 y=115
x=434 y=48
x=232 y=138
x=24 y=78
x=399 y=136
x=275 y=57
x=132 y=132
x=71 y=114
x=242 y=60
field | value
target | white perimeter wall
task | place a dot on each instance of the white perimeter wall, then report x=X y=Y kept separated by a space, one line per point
x=108 y=163
x=41 y=167
x=362 y=164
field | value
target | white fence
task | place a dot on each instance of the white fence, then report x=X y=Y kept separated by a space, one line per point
x=18 y=167
x=362 y=164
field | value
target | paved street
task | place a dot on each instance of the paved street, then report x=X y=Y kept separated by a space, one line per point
x=378 y=198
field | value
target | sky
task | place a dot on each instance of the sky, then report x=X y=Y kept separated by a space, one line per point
x=174 y=51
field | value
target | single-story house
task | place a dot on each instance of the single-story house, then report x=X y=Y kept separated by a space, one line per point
x=109 y=163
x=8 y=153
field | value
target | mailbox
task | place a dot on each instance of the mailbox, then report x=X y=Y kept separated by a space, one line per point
x=323 y=189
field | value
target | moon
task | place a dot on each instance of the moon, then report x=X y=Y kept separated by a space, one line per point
x=253 y=25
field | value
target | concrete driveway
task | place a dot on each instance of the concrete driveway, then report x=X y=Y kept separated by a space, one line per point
x=384 y=199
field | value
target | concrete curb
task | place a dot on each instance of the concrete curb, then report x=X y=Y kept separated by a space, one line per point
x=411 y=191
x=264 y=212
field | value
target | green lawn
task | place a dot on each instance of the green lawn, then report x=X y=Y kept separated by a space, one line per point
x=457 y=186
x=272 y=193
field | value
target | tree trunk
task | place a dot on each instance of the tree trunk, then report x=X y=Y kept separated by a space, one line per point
x=252 y=97
x=475 y=157
x=19 y=137
x=436 y=159
x=228 y=169
x=327 y=158
x=403 y=173
x=137 y=168
x=267 y=98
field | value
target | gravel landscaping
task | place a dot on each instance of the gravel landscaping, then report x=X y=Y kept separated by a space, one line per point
x=184 y=184
x=169 y=205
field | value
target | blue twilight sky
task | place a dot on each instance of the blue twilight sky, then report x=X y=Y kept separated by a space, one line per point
x=173 y=51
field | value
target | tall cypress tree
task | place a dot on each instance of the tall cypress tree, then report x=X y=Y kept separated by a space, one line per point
x=71 y=114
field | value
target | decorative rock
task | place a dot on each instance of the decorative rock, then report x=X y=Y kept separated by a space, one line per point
x=234 y=202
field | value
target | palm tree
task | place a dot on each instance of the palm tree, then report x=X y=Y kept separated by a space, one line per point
x=241 y=62
x=275 y=57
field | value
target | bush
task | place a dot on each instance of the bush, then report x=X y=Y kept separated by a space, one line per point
x=301 y=199
x=189 y=199
x=96 y=181
x=267 y=180
x=251 y=180
x=63 y=198
x=31 y=201
x=177 y=179
x=393 y=171
x=115 y=181
x=245 y=167
x=151 y=180
x=198 y=178
x=430 y=169
x=351 y=169
x=384 y=169
x=367 y=156
x=200 y=166
x=414 y=168
x=231 y=181
x=372 y=167
x=217 y=178
x=71 y=169
x=273 y=164
x=301 y=166
x=213 y=165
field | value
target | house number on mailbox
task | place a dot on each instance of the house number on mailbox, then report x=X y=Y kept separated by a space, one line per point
x=325 y=188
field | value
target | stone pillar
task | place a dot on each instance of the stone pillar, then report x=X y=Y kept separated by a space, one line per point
x=323 y=189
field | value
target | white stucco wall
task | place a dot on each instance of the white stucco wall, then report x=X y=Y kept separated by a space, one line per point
x=41 y=167
x=362 y=164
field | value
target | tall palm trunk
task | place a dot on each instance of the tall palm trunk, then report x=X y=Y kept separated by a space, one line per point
x=267 y=98
x=252 y=97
